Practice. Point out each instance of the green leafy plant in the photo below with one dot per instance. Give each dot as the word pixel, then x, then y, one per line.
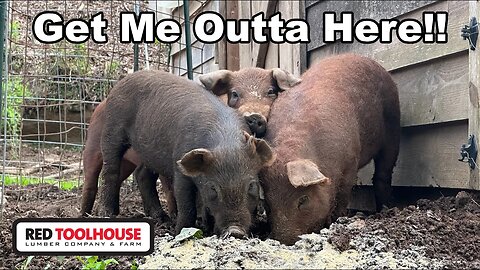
pixel 15 30
pixel 67 184
pixel 188 233
pixel 25 263
pixel 134 265
pixel 12 112
pixel 112 69
pixel 92 262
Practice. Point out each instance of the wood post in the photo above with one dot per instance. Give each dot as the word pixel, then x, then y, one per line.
pixel 474 86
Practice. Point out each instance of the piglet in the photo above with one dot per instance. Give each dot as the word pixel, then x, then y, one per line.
pixel 183 133
pixel 343 114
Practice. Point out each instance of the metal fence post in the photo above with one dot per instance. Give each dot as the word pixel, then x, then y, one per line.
pixel 136 9
pixel 3 24
pixel 186 16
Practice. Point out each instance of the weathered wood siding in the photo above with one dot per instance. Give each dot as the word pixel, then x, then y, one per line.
pixel 433 83
pixel 203 55
pixel 438 83
pixel 286 56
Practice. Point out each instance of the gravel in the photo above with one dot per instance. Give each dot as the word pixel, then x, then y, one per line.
pixel 365 250
pixel 431 234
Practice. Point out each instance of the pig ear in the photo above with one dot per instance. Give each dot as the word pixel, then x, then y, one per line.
pixel 303 173
pixel 285 80
pixel 260 148
pixel 195 162
pixel 266 154
pixel 217 81
pixel 248 138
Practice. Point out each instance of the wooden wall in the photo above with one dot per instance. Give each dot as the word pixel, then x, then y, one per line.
pixel 433 82
pixel 438 83
pixel 286 56
pixel 203 55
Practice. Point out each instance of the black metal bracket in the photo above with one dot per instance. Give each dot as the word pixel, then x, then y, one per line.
pixel 469 151
pixel 470 32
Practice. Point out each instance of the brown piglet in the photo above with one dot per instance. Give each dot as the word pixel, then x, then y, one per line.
pixel 343 114
pixel 251 91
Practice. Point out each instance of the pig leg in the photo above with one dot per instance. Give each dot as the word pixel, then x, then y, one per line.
pixel 92 166
pixel 167 188
pixel 185 194
pixel 344 193
pixel 382 178
pixel 146 180
pixel 113 149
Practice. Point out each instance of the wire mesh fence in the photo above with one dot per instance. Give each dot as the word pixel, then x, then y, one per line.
pixel 51 90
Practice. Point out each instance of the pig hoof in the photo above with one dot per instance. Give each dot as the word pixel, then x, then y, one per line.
pixel 105 214
pixel 234 231
pixel 162 217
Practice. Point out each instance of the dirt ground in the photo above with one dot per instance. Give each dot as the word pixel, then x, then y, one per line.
pixel 49 201
pixel 441 233
pixel 44 161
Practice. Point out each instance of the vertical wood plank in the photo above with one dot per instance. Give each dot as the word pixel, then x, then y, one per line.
pixel 474 85
pixel 260 50
pixel 272 57
pixel 221 47
pixel 290 53
pixel 303 47
pixel 245 50
pixel 232 50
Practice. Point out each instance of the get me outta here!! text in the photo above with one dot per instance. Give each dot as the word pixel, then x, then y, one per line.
pixel 208 27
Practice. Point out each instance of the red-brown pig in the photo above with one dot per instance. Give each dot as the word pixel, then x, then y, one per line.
pixel 251 91
pixel 93 163
pixel 343 114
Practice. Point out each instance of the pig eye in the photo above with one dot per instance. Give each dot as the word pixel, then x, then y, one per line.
pixel 272 93
pixel 303 201
pixel 212 193
pixel 233 99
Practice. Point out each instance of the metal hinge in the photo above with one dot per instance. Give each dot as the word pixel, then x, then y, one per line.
pixel 470 32
pixel 469 151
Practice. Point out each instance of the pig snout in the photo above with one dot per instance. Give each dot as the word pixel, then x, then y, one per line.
pixel 284 236
pixel 283 230
pixel 257 124
pixel 235 231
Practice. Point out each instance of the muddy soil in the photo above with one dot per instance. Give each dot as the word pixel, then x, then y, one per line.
pixel 48 201
pixel 430 234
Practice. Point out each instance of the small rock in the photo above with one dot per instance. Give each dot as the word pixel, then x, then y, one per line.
pixel 461 199
pixel 379 247
pixel 4 199
pixel 360 215
pixel 342 220
pixel 411 207
pixel 357 224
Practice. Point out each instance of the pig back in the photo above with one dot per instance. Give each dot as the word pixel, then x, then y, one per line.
pixel 169 115
pixel 339 112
